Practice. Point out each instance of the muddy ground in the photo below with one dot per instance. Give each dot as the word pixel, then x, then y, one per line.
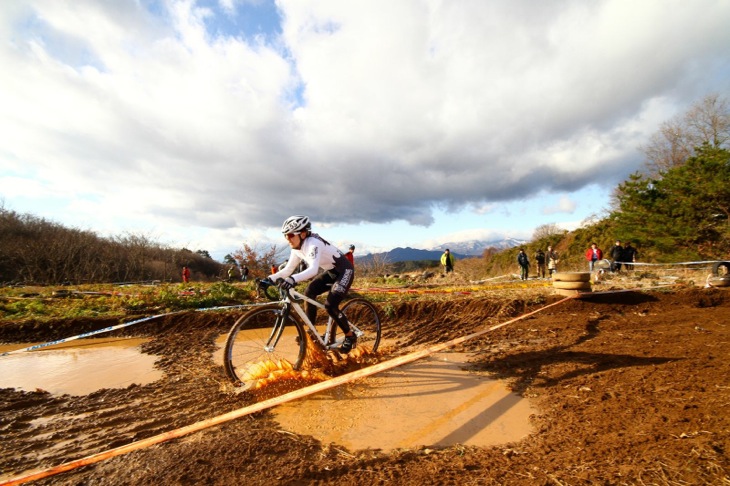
pixel 631 388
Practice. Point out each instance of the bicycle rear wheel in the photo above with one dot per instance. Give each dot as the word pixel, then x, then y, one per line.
pixel 363 318
pixel 262 336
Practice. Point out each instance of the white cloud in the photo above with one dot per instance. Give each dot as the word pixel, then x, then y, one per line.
pixel 361 111
pixel 564 205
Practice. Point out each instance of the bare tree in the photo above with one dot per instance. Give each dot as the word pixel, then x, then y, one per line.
pixel 709 122
pixel 259 258
pixel 706 122
pixel 547 231
pixel 378 266
pixel 33 249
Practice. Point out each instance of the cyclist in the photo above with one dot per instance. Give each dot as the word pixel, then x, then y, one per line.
pixel 317 253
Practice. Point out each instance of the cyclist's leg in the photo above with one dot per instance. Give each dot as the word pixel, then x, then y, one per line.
pixel 332 305
pixel 316 287
pixel 337 293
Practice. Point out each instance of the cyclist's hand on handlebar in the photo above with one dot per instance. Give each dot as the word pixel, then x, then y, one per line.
pixel 264 282
pixel 286 283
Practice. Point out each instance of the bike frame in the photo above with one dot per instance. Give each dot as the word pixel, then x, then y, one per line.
pixel 291 299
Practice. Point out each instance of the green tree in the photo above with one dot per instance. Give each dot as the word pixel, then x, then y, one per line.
pixel 229 260
pixel 685 212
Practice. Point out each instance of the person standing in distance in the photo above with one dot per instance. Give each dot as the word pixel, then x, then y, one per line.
pixel 447 260
pixel 540 260
pixel 524 264
pixel 317 253
pixel 552 260
pixel 593 254
pixel 185 274
pixel 350 255
pixel 630 254
pixel 617 254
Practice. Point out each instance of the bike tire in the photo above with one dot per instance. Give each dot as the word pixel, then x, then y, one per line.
pixel 249 339
pixel 364 316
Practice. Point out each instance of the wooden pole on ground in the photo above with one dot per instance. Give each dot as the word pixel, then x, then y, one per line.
pixel 257 407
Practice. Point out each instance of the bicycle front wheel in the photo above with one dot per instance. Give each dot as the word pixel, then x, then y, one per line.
pixel 262 336
pixel 363 318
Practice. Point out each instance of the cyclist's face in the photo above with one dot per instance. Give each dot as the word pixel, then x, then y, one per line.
pixel 294 239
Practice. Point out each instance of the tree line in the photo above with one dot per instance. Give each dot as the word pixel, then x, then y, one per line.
pixel 35 250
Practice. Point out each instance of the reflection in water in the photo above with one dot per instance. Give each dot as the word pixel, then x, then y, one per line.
pixel 78 367
pixel 431 402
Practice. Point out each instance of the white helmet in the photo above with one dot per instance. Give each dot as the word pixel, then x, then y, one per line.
pixel 295 224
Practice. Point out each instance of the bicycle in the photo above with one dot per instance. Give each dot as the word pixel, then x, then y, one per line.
pixel 273 333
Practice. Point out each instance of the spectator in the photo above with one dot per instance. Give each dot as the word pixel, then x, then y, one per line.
pixel 244 273
pixel 185 274
pixel 350 255
pixel 274 269
pixel 231 273
pixel 617 255
pixel 593 254
pixel 524 264
pixel 552 260
pixel 540 261
pixel 630 255
pixel 447 260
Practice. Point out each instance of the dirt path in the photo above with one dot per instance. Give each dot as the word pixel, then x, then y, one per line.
pixel 631 388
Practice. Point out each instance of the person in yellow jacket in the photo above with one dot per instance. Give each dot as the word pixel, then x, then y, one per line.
pixel 447 260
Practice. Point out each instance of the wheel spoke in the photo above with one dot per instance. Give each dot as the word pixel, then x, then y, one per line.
pixel 255 339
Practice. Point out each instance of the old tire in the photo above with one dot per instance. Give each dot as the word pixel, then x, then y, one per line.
pixel 721 269
pixel 719 281
pixel 572 277
pixel 572 285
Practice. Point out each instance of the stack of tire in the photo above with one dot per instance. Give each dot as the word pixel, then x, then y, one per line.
pixel 571 283
pixel 720 276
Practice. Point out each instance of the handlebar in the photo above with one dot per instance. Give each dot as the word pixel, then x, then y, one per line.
pixel 264 285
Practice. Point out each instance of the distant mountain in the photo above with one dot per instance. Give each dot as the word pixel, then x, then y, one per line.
pixel 477 247
pixel 462 249
pixel 405 255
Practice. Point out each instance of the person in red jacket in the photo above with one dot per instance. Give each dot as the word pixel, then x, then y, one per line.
pixel 593 254
pixel 185 274
pixel 350 255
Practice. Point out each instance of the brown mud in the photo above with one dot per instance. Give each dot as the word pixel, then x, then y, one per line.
pixel 630 388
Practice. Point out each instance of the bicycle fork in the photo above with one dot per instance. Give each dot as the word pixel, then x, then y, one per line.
pixel 278 330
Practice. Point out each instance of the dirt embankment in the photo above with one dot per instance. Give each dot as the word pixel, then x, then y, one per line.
pixel 631 388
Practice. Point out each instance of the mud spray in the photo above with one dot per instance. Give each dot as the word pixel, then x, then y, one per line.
pixel 271 378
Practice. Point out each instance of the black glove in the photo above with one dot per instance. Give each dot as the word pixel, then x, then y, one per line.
pixel 285 283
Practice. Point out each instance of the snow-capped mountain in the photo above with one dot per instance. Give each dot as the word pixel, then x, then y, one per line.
pixel 477 247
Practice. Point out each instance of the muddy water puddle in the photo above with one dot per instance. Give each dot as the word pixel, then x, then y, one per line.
pixel 78 367
pixel 432 402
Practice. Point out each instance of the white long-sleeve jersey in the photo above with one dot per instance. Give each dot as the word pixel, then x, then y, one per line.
pixel 316 253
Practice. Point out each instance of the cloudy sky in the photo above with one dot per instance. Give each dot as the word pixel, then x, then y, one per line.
pixel 205 124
